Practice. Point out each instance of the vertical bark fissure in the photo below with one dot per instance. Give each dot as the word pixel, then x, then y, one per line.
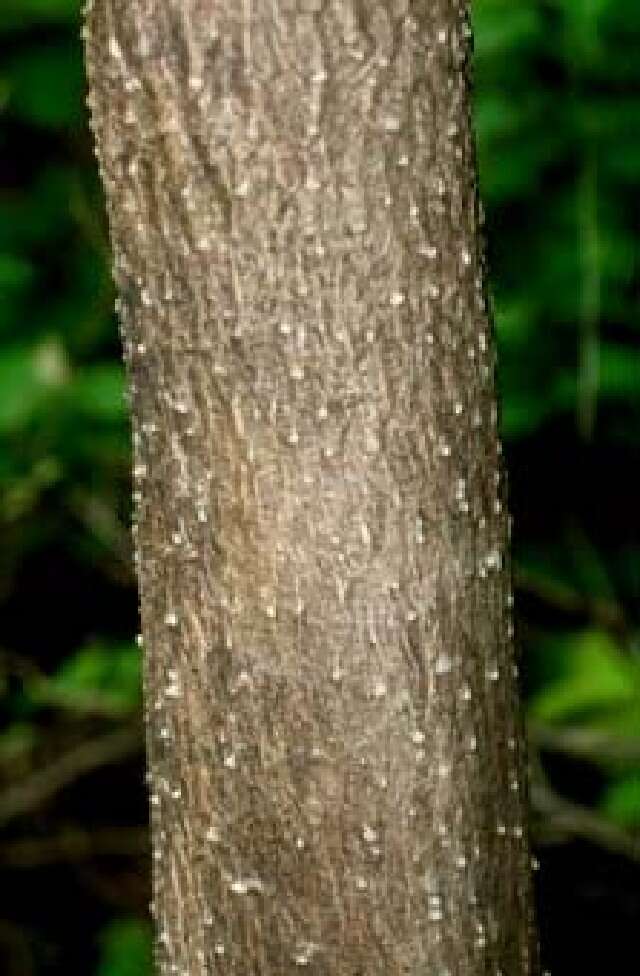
pixel 335 759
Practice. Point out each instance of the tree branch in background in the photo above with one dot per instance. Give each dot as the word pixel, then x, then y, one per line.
pixel 40 786
pixel 75 845
pixel 607 613
pixel 562 818
pixel 585 743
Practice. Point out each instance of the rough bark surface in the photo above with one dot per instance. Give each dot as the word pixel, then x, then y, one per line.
pixel 335 758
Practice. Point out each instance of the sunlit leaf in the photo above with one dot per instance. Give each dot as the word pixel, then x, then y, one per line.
pixel 594 676
pixel 28 374
pixel 96 675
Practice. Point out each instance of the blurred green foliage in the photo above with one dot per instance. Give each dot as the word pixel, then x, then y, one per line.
pixel 98 678
pixel 126 949
pixel 557 106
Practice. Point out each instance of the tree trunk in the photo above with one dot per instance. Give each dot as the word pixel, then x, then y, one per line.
pixel 335 757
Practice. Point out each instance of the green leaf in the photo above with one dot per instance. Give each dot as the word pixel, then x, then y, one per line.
pixel 618 377
pixel 23 13
pixel 622 721
pixel 496 33
pixel 28 374
pixel 97 676
pixel 619 371
pixel 621 801
pixel 16 273
pixel 46 84
pixel 125 949
pixel 98 391
pixel 593 678
pixel 521 415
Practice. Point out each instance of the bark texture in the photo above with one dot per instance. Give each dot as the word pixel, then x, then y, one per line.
pixel 335 757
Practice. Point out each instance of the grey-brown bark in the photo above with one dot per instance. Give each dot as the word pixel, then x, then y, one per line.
pixel 334 752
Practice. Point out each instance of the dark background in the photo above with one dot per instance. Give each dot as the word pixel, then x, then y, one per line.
pixel 558 121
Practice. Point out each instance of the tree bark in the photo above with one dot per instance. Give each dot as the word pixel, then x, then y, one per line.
pixel 334 749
